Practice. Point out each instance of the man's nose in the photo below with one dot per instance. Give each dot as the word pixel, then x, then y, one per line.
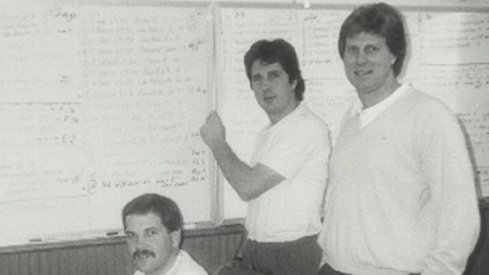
pixel 266 86
pixel 361 58
pixel 142 240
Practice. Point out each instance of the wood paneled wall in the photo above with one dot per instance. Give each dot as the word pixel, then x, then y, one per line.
pixel 96 259
pixel 210 247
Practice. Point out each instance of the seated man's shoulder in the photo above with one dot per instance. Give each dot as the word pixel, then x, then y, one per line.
pixel 187 265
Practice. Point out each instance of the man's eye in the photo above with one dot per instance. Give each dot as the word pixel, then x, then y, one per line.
pixel 256 77
pixel 372 49
pixel 351 50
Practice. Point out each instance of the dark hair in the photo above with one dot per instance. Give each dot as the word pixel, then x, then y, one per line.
pixel 164 207
pixel 277 51
pixel 379 19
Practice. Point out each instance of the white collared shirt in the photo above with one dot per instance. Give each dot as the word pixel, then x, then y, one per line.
pixel 369 114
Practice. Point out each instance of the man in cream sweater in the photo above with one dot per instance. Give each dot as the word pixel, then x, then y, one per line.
pixel 401 198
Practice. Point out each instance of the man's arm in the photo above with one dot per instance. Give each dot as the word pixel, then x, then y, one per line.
pixel 450 175
pixel 249 182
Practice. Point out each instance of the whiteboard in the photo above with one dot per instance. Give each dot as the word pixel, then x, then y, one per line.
pixel 447 58
pixel 101 101
pixel 99 104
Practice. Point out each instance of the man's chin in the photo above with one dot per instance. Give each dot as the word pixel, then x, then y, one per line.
pixel 144 264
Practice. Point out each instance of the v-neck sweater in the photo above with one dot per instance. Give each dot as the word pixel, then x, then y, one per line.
pixel 401 196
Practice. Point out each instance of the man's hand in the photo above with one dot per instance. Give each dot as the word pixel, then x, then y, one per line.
pixel 213 132
pixel 249 182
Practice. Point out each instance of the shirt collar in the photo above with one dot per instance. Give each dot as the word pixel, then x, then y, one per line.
pixel 369 114
pixel 296 112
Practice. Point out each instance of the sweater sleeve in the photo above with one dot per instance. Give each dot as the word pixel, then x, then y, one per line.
pixel 449 172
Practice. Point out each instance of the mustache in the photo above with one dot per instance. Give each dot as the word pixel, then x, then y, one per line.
pixel 143 252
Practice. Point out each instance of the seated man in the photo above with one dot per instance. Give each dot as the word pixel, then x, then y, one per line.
pixel 153 225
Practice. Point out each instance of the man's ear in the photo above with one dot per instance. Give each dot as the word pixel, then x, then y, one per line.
pixel 294 84
pixel 176 237
pixel 394 59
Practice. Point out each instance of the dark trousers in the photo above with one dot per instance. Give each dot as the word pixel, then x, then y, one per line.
pixel 328 270
pixel 300 257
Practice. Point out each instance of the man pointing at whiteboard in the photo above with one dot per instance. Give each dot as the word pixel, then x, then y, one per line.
pixel 286 178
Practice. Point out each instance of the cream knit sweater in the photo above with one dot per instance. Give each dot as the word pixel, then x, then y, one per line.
pixel 401 197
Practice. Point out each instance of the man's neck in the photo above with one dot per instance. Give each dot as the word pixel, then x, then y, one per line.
pixel 370 99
